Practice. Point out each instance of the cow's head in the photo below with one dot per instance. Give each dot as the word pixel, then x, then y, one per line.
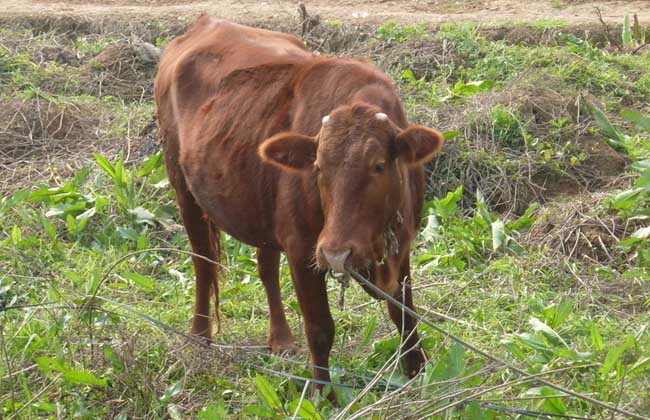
pixel 361 159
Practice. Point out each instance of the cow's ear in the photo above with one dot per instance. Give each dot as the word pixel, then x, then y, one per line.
pixel 416 145
pixel 289 151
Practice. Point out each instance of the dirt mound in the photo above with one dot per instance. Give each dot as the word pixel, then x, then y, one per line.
pixel 39 135
pixel 527 143
pixel 578 229
pixel 551 35
pixel 125 70
pixel 141 27
pixel 32 127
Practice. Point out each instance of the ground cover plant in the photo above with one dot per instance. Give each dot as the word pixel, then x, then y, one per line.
pixel 534 246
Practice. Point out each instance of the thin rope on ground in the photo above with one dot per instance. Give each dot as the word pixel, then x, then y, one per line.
pixel 483 353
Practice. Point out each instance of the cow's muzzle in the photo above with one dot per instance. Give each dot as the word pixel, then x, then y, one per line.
pixel 336 259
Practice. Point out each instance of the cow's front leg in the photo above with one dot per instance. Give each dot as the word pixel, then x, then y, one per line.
pixel 319 325
pixel 413 355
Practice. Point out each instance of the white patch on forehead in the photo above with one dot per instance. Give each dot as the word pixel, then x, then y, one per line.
pixel 326 118
pixel 381 116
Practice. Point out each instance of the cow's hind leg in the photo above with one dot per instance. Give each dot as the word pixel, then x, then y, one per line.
pixel 268 265
pixel 413 358
pixel 203 236
pixel 204 239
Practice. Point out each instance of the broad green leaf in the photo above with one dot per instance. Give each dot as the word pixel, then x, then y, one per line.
pixel 369 331
pixel 553 405
pixel 524 221
pixel 214 411
pixel 514 348
pixel 472 88
pixel 549 332
pixel 171 391
pixel 307 409
pixel 625 199
pixel 499 237
pixel 142 215
pixel 268 394
pixel 555 315
pixel 87 214
pixel 613 356
pixel 475 412
pixel 596 338
pixel 49 228
pixel 626 34
pixel 450 366
pixel 643 121
pixel 16 235
pixel 48 364
pixel 150 164
pixel 259 411
pixel 83 377
pixel 113 358
pixel 448 205
pixel 606 127
pixel 408 75
pixel 644 180
pixel 641 165
pixel 139 280
pixel 452 134
pixel 642 365
pixel 105 165
pixel 535 344
pixel 71 224
pixel 70 375
pixel 482 208
pixel 430 232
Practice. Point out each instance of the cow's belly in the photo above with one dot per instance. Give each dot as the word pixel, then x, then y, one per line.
pixel 243 225
pixel 235 201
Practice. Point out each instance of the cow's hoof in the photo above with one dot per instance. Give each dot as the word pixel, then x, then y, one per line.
pixel 414 362
pixel 282 345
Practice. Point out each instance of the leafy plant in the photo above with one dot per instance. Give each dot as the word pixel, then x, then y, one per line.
pixel 394 32
pixel 453 240
pixel 632 35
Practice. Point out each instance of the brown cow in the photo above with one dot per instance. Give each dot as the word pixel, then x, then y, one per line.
pixel 291 152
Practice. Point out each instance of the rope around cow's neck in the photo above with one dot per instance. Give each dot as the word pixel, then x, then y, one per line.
pixel 391 248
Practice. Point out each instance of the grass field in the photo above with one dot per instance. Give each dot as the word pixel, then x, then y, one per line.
pixel 534 247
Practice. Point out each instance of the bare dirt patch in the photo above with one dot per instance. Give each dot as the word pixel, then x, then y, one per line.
pixel 404 11
pixel 125 70
pixel 42 140
pixel 575 229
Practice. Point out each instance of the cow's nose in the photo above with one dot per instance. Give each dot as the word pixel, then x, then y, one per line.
pixel 336 259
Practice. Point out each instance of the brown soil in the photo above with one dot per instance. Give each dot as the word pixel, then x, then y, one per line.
pixel 576 230
pixel 405 11
pixel 119 70
pixel 42 140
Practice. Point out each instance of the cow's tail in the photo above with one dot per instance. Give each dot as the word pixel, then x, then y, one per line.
pixel 215 278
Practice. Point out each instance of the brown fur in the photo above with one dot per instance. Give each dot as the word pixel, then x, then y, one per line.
pixel 228 95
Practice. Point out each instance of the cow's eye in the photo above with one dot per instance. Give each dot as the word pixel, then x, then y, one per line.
pixel 379 167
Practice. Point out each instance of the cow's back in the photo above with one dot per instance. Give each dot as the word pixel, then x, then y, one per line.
pixel 194 64
pixel 221 89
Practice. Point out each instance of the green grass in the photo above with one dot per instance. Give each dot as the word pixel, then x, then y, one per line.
pixel 86 240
